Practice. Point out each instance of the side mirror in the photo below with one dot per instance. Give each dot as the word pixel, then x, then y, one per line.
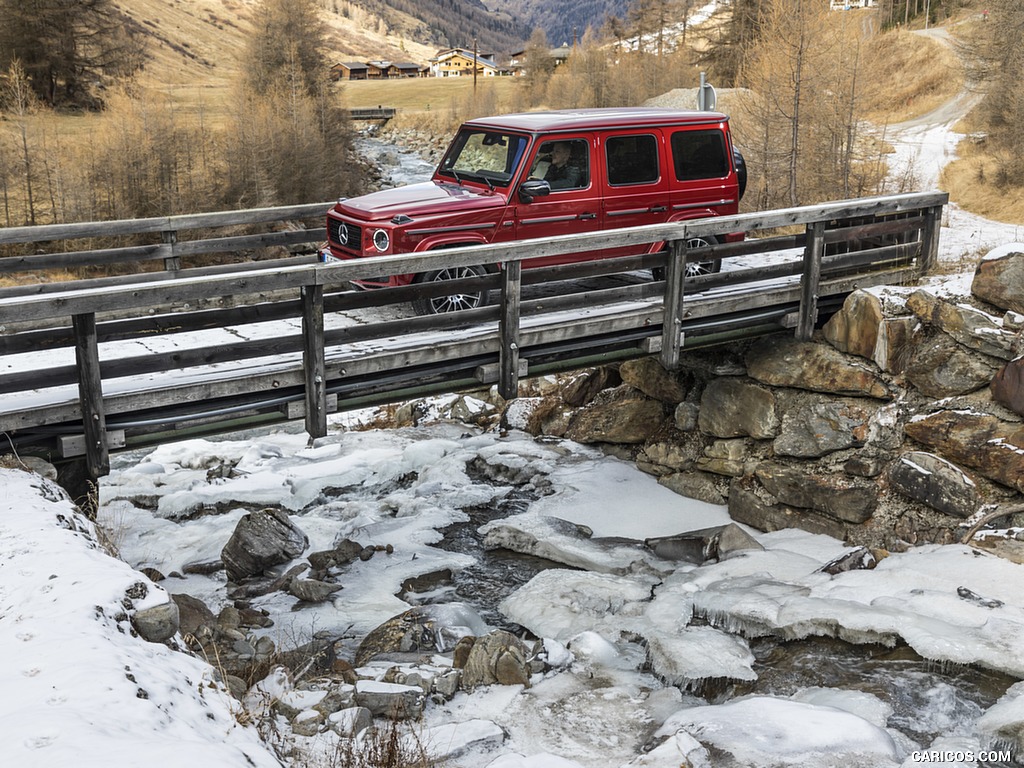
pixel 533 188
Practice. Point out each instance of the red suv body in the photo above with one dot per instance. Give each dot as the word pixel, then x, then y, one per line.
pixel 541 174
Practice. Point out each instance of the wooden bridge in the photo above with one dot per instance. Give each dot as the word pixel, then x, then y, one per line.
pixel 372 113
pixel 97 364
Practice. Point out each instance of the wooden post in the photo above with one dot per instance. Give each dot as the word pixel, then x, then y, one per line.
pixel 672 315
pixel 90 396
pixel 930 239
pixel 508 330
pixel 172 263
pixel 313 364
pixel 809 280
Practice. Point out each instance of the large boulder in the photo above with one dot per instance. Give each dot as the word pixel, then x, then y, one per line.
pixel 785 362
pixel 699 547
pixel 622 415
pixel 734 407
pixel 260 541
pixel 497 658
pixel 747 506
pixel 851 499
pixel 157 623
pixel 970 327
pixel 854 328
pixel 897 338
pixel 993 447
pixel 1008 386
pixel 940 367
pixel 999 278
pixel 935 482
pixel 647 375
pixel 813 426
pixel 583 388
pixel 423 629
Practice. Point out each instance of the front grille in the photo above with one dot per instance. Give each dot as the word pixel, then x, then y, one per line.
pixel 345 235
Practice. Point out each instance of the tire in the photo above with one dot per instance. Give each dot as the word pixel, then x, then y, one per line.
pixel 693 269
pixel 696 268
pixel 455 302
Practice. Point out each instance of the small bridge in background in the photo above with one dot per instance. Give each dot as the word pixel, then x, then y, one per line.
pixel 372 113
pixel 101 363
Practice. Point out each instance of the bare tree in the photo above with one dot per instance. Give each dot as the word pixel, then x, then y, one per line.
pixel 19 102
pixel 998 61
pixel 804 76
pixel 538 66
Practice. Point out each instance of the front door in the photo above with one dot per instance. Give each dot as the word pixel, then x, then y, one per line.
pixel 574 205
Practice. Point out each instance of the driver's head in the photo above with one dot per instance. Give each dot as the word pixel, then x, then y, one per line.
pixel 560 153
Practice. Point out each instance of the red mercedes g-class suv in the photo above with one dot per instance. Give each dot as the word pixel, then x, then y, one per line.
pixel 540 174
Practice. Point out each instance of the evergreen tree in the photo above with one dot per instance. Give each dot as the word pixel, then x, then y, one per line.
pixel 68 47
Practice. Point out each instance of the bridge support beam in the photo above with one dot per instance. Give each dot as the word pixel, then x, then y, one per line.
pixel 672 317
pixel 930 239
pixel 810 279
pixel 313 362
pixel 508 373
pixel 90 396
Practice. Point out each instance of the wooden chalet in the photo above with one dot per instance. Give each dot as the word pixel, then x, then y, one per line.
pixel 458 62
pixel 349 70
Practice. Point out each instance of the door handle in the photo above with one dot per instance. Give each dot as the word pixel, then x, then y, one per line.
pixel 587 216
pixel 658 208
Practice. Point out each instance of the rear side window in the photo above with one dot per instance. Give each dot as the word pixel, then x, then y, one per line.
pixel 632 159
pixel 699 155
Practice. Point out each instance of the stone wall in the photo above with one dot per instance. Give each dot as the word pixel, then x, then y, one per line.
pixel 897 423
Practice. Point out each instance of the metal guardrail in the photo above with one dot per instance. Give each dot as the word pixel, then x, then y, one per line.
pixel 822 254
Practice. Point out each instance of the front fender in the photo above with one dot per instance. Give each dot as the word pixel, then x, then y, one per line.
pixel 434 242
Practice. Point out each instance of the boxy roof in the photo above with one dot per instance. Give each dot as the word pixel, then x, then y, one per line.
pixel 592 119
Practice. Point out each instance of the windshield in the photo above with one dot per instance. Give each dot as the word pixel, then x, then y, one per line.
pixel 488 156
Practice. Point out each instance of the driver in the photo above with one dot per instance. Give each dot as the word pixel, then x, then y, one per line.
pixel 561 174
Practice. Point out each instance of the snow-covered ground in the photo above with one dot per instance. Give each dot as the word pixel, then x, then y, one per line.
pixel 80 689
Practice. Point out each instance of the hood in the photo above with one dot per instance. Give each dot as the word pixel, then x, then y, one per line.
pixel 416 200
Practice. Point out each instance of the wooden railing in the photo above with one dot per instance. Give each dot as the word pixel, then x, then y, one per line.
pixel 173 251
pixel 805 259
pixel 372 113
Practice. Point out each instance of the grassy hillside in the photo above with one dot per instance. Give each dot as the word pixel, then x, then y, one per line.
pixel 195 47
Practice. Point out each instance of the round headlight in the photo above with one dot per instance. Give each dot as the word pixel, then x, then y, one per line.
pixel 381 240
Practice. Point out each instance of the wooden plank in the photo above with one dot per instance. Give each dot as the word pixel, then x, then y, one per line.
pixel 172 262
pixel 90 397
pixel 508 330
pixel 930 240
pixel 809 280
pixel 313 360
pixel 672 319
pixel 361 362
pixel 88 229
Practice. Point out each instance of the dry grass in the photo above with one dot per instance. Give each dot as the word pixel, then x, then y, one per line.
pixel 975 182
pixel 427 94
pixel 910 76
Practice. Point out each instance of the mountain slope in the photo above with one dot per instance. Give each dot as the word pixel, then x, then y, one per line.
pixel 560 21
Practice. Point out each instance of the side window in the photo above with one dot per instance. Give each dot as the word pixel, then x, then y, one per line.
pixel 632 159
pixel 699 155
pixel 564 164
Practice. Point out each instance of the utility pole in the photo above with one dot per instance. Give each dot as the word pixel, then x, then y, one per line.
pixel 476 64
